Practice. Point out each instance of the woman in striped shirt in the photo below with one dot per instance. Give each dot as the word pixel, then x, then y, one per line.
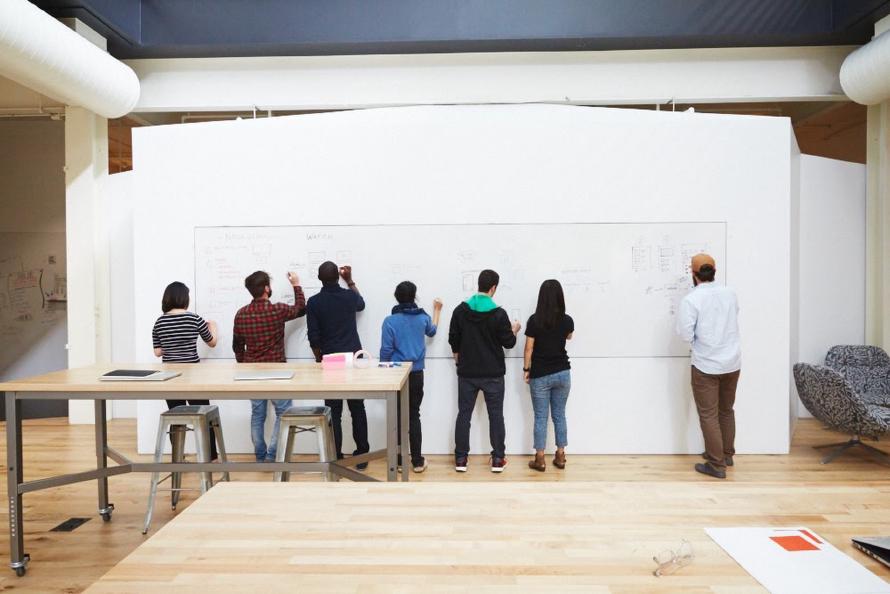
pixel 175 337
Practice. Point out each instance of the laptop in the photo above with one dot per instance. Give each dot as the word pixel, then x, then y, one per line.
pixel 876 547
pixel 263 374
pixel 138 375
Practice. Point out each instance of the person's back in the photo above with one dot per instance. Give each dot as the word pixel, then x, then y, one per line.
pixel 259 330
pixel 404 333
pixel 480 331
pixel 332 314
pixel 176 334
pixel 715 340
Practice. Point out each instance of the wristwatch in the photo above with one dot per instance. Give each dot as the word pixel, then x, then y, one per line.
pixel 526 369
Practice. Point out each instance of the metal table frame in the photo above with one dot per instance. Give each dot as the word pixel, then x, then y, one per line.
pixel 17 487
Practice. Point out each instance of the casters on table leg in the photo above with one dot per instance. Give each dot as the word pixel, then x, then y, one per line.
pixel 105 512
pixel 21 568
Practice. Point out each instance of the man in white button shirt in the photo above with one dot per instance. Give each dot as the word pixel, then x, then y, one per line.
pixel 708 319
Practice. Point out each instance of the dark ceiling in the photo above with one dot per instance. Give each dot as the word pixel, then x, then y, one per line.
pixel 210 28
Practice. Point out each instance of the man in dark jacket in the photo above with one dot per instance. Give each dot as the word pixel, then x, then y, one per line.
pixel 331 328
pixel 479 333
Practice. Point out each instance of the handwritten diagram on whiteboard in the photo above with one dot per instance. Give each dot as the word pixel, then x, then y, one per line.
pixel 623 281
pixel 33 290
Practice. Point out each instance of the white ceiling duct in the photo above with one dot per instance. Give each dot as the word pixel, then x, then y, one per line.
pixel 43 54
pixel 865 74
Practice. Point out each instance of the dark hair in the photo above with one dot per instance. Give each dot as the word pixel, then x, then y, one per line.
pixel 487 280
pixel 176 296
pixel 551 305
pixel 256 283
pixel 328 272
pixel 706 273
pixel 406 292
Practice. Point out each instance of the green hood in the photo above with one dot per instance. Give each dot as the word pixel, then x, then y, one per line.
pixel 481 302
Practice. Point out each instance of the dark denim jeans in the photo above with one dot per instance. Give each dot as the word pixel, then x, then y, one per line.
pixel 359 424
pixel 415 436
pixel 468 389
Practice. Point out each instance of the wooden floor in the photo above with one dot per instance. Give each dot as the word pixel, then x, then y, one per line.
pixel 660 494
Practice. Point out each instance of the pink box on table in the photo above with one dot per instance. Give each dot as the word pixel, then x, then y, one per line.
pixel 334 361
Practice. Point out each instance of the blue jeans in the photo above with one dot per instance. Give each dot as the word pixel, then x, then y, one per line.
pixel 258 410
pixel 551 391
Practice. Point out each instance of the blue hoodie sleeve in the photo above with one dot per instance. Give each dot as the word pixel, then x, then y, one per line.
pixel 431 328
pixel 387 341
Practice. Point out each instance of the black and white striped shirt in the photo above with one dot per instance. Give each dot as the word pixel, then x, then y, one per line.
pixel 177 335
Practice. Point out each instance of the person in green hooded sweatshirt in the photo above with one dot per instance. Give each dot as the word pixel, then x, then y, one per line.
pixel 478 335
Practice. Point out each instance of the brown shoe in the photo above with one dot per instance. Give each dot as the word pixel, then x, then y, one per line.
pixel 559 459
pixel 538 463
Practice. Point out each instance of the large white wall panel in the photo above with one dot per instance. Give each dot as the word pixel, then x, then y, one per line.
pixel 487 165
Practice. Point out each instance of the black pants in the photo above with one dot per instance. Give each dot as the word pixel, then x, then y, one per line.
pixel 467 390
pixel 359 424
pixel 175 403
pixel 415 435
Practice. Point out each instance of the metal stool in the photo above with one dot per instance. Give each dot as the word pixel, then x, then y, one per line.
pixel 176 422
pixel 299 419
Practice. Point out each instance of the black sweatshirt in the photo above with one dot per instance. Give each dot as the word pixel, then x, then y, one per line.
pixel 480 338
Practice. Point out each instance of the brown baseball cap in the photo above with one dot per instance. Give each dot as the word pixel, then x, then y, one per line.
pixel 700 260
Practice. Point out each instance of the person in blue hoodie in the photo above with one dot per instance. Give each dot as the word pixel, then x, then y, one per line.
pixel 403 339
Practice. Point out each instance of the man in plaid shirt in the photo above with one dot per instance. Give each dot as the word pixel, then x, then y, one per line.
pixel 258 336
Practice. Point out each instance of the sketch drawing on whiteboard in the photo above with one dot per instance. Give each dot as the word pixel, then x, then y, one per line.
pixel 620 279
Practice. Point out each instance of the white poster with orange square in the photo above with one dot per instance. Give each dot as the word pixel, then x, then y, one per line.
pixel 796 561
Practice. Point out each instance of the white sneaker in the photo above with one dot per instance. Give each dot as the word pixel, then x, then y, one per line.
pixel 460 464
pixel 419 469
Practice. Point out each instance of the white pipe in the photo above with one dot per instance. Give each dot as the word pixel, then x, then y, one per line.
pixel 41 53
pixel 865 74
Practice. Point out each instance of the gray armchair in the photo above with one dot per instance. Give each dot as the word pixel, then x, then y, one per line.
pixel 832 400
pixel 867 368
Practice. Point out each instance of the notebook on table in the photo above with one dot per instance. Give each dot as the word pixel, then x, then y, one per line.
pixel 876 547
pixel 138 375
pixel 263 374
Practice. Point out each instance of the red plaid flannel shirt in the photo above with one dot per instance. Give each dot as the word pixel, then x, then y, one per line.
pixel 258 335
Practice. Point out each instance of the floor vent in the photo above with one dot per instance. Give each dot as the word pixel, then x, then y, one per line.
pixel 70 524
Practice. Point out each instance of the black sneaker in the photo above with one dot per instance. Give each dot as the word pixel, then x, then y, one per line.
pixel 709 470
pixel 727 460
pixel 460 463
pixel 363 465
pixel 498 464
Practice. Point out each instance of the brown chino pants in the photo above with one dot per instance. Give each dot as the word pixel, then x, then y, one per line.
pixel 714 398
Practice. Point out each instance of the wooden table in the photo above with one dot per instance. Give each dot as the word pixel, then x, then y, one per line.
pixel 207 381
pixel 474 537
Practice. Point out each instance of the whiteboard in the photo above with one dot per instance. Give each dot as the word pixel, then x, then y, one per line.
pixel 623 281
pixel 33 291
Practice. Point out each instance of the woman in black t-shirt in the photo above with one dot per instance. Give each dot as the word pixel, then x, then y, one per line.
pixel 547 369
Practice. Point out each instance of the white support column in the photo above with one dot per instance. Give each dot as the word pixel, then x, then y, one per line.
pixel 877 220
pixel 86 168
